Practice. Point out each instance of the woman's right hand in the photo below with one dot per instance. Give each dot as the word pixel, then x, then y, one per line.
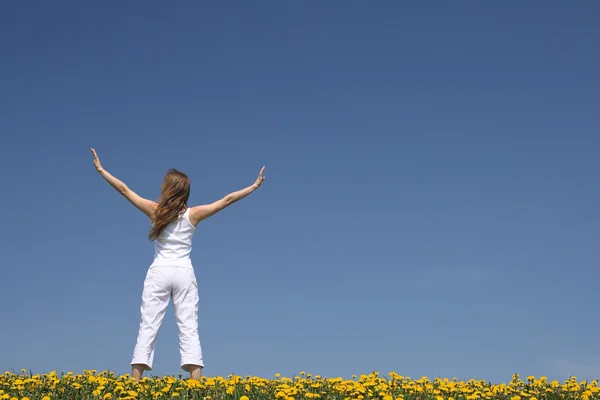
pixel 199 213
pixel 260 178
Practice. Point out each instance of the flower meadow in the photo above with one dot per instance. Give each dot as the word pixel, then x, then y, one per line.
pixel 106 385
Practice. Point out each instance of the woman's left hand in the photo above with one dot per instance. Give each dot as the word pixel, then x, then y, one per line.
pixel 97 161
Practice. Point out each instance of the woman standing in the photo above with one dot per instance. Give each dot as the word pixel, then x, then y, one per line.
pixel 171 274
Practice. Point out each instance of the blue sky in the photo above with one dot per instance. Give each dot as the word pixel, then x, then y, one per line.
pixel 431 202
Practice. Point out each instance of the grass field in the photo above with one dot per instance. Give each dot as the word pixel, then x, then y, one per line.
pixel 107 385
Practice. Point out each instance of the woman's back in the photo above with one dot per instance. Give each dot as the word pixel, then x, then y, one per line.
pixel 173 246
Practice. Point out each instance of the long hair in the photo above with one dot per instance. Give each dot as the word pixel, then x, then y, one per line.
pixel 174 195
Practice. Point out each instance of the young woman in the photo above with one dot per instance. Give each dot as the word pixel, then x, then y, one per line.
pixel 171 275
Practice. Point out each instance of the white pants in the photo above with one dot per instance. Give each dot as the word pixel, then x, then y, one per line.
pixel 161 284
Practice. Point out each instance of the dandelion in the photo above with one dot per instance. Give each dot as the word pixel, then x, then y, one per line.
pixel 371 386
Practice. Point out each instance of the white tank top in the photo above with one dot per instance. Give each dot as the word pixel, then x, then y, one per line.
pixel 173 247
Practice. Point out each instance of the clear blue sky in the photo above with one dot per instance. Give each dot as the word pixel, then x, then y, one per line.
pixel 432 193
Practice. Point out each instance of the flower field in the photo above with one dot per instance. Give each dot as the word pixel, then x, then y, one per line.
pixel 107 385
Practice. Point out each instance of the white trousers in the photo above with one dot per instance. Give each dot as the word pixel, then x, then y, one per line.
pixel 162 284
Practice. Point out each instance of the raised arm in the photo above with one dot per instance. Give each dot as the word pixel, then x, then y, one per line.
pixel 144 205
pixel 199 213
